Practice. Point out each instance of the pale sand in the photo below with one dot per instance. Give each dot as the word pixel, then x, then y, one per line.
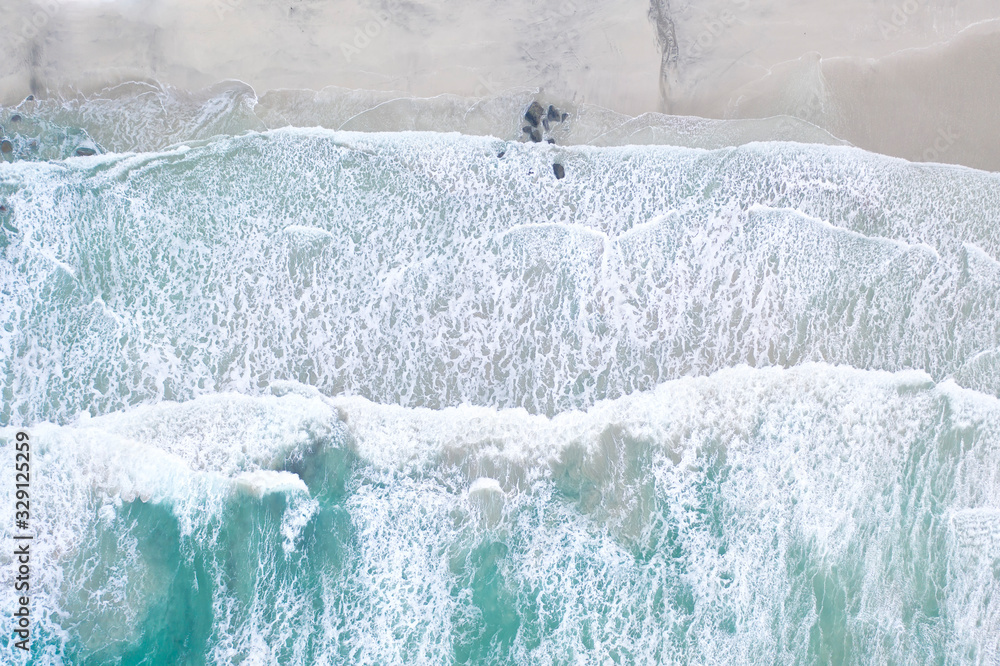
pixel 580 50
pixel 919 79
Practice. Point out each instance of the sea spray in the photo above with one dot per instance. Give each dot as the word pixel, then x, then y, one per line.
pixel 809 514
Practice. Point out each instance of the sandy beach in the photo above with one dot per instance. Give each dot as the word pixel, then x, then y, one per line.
pixel 854 69
pixel 391 332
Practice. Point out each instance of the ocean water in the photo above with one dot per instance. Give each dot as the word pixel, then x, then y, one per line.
pixel 313 395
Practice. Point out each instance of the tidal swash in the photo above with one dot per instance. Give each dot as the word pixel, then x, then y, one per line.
pixel 304 396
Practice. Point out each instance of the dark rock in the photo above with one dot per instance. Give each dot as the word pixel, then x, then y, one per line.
pixel 565 117
pixel 545 124
pixel 501 153
pixel 29 98
pixel 536 136
pixel 526 129
pixel 85 152
pixel 551 140
pixel 552 114
pixel 3 209
pixel 16 118
pixel 6 147
pixel 534 113
pixel 559 171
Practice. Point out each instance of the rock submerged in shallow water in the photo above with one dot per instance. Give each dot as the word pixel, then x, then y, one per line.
pixel 85 152
pixel 16 118
pixel 559 171
pixel 6 147
pixel 542 121
pixel 534 113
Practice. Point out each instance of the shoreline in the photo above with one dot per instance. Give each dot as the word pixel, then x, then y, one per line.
pixel 853 71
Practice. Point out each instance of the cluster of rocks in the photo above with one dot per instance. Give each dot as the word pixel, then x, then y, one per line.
pixel 17 142
pixel 541 121
pixel 6 145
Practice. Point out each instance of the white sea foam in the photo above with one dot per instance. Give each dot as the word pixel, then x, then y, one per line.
pixel 263 482
pixel 716 504
pixel 325 396
pixel 421 269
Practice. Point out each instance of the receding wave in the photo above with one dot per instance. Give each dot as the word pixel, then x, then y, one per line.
pixel 147 116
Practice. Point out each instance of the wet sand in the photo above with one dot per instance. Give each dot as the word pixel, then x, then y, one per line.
pixel 919 79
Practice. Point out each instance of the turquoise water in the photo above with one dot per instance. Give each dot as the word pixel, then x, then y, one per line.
pixel 305 396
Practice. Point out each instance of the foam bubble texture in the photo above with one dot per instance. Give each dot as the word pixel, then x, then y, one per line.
pixel 815 515
pixel 424 270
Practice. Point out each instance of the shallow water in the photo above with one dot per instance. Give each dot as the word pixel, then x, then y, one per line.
pixel 811 515
pixel 315 395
